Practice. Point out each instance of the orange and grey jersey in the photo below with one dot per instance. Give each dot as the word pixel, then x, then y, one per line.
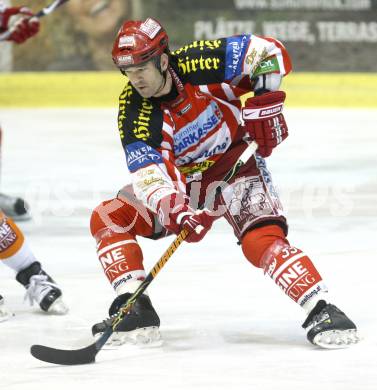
pixel 186 134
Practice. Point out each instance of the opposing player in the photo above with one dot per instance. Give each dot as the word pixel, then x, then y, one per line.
pixel 16 254
pixel 14 250
pixel 181 130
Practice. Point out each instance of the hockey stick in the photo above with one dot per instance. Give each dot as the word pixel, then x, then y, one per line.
pixel 87 355
pixel 43 12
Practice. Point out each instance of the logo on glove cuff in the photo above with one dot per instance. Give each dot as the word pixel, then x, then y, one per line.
pixel 261 113
pixel 271 111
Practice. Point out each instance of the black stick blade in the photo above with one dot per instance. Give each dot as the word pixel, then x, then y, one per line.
pixel 65 357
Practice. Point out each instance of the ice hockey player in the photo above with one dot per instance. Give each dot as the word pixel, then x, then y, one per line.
pixel 16 254
pixel 14 250
pixel 181 129
pixel 24 28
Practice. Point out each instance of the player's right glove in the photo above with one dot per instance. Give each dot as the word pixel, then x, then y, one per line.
pixel 264 120
pixel 24 28
pixel 176 214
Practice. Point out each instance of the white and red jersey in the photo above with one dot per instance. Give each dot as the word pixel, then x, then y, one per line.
pixel 194 132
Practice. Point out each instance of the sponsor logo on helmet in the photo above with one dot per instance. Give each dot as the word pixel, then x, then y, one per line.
pixel 126 41
pixel 150 28
pixel 125 60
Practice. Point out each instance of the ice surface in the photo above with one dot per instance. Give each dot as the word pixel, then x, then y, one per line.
pixel 225 325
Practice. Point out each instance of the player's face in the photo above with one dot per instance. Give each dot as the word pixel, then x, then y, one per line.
pixel 146 79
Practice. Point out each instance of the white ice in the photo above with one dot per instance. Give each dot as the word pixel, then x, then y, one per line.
pixel 224 324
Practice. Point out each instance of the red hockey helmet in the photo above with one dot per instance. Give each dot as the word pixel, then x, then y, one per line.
pixel 138 42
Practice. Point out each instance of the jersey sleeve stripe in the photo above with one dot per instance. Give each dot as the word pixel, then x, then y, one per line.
pixel 228 91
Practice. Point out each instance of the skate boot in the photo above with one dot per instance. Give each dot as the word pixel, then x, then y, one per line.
pixel 4 312
pixel 15 208
pixel 41 288
pixel 330 328
pixel 139 326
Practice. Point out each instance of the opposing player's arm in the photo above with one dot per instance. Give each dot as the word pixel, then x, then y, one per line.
pixel 24 28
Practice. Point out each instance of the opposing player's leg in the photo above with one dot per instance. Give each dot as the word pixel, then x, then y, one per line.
pixel 256 215
pixel 4 312
pixel 16 254
pixel 12 206
pixel 115 224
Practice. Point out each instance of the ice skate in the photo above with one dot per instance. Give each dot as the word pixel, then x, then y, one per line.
pixel 4 312
pixel 41 288
pixel 330 328
pixel 14 207
pixel 139 326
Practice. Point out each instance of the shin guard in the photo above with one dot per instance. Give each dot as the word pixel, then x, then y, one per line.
pixel 293 271
pixel 121 258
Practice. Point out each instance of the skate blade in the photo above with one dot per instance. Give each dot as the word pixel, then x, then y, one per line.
pixel 149 336
pixel 336 339
pixel 22 218
pixel 4 316
pixel 58 308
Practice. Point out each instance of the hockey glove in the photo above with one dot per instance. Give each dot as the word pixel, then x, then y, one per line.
pixel 176 215
pixel 264 121
pixel 24 28
pixel 197 224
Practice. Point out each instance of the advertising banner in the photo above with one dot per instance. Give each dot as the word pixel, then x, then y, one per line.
pixel 320 35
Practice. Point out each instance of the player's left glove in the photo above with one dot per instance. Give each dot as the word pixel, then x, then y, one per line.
pixel 264 121
pixel 197 223
pixel 24 28
pixel 176 214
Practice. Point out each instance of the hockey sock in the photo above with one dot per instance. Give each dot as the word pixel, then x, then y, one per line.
pixel 14 250
pixel 266 247
pixel 121 258
pixel 294 272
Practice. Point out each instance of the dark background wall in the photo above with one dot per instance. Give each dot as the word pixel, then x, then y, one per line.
pixel 321 35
